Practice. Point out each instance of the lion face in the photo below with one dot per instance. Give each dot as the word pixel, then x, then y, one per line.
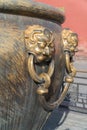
pixel 70 40
pixel 40 42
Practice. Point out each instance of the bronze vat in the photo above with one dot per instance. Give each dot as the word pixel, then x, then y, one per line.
pixel 34 54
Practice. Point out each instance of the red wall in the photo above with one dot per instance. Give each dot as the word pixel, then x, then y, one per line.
pixel 76 18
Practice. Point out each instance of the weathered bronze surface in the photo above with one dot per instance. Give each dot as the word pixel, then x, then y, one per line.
pixel 31 72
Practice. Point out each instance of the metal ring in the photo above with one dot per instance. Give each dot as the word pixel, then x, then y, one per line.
pixel 50 106
pixel 31 68
pixel 43 88
pixel 67 58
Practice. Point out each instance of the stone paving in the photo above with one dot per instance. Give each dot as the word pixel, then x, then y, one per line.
pixel 63 119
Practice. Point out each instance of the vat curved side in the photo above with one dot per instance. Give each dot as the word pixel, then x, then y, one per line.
pixel 20 108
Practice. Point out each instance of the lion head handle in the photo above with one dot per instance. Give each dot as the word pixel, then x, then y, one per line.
pixel 39 42
pixel 70 41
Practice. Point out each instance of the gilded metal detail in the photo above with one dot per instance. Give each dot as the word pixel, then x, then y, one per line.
pixel 40 47
pixel 70 42
pixel 43 79
pixel 39 42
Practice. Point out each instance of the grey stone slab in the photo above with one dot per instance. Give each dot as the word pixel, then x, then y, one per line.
pixel 64 119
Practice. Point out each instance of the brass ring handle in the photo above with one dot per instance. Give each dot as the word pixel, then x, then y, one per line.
pixel 67 59
pixel 50 106
pixel 40 79
pixel 31 70
pixel 43 79
pixel 34 75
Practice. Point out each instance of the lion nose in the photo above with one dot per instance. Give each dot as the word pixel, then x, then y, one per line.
pixel 47 51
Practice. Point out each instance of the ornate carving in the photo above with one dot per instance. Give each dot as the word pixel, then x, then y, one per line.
pixel 40 47
pixel 39 42
pixel 70 41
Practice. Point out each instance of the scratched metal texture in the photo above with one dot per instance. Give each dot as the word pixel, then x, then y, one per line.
pixel 19 105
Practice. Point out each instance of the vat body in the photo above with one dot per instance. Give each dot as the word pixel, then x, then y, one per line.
pixel 20 108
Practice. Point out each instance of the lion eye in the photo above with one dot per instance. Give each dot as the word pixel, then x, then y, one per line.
pixel 42 45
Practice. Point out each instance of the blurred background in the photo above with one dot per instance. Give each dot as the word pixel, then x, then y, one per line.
pixel 76 19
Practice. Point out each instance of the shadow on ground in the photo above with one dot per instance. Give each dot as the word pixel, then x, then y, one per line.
pixel 56 119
